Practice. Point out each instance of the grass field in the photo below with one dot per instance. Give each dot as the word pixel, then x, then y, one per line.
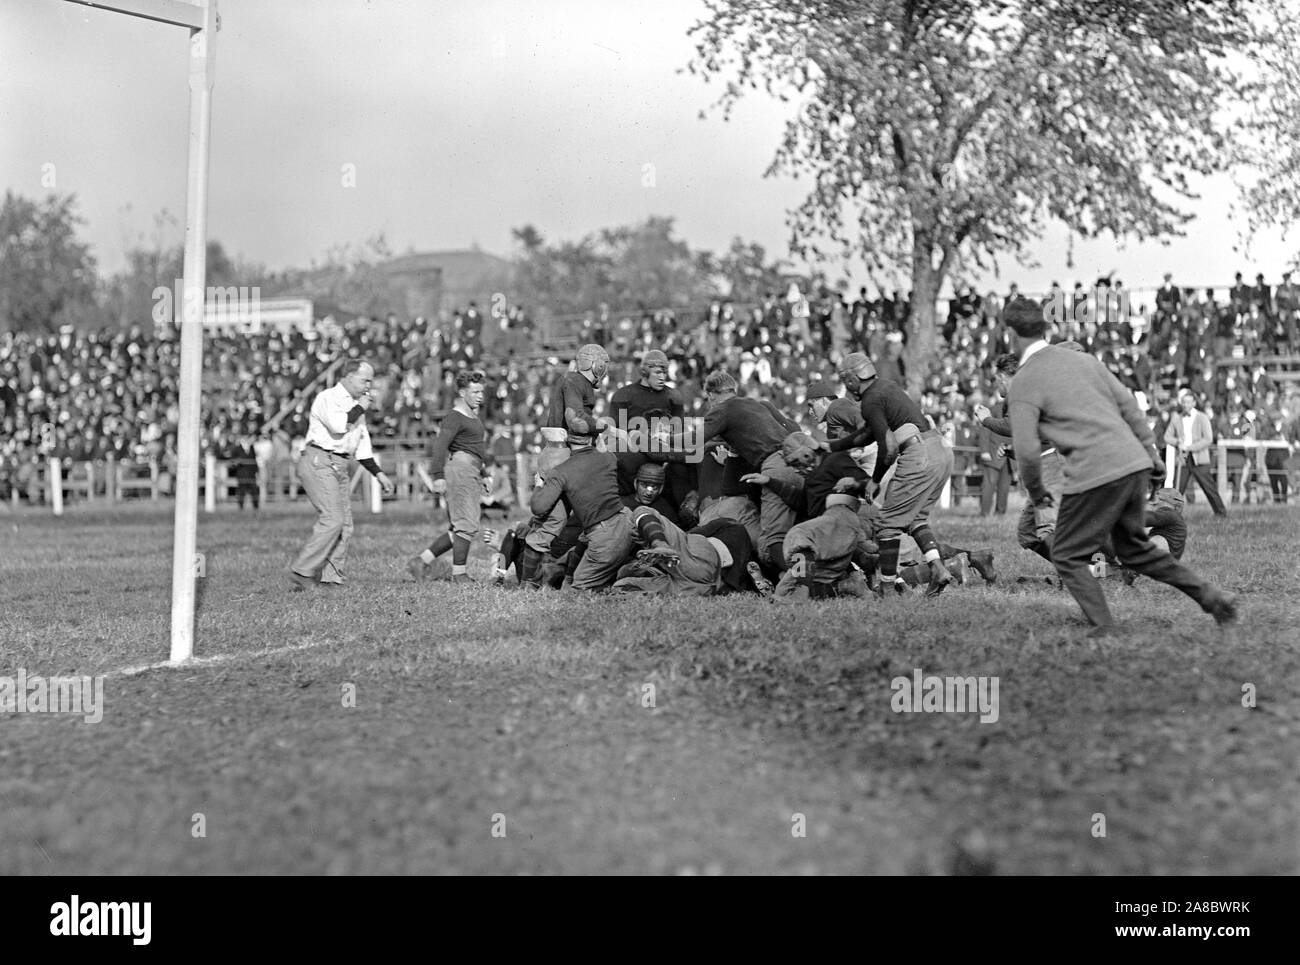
pixel 501 732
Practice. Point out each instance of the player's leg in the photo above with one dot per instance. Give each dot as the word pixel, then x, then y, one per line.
pixel 1137 551
pixel 939 463
pixel 609 544
pixel 1207 484
pixel 775 515
pixel 465 508
pixel 902 502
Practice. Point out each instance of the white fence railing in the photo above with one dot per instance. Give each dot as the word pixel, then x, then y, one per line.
pixel 109 481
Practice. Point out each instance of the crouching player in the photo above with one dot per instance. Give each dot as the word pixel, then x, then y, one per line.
pixel 821 554
pixel 587 485
pixel 1165 526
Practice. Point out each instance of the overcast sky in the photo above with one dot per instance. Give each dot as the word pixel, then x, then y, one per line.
pixel 463 118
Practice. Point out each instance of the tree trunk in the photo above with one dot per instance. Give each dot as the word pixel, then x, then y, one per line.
pixel 922 337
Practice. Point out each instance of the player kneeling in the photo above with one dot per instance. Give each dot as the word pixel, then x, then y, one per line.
pixel 821 554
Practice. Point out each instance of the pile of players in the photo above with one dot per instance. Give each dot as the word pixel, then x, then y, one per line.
pixel 636 501
pixel 641 500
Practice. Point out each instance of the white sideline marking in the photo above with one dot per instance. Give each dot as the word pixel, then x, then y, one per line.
pixel 209 661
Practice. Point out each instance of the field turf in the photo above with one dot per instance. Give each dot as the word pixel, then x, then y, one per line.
pixel 495 731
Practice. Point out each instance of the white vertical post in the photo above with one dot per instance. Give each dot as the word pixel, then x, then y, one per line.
pixel 210 483
pixel 54 475
pixel 945 497
pixel 190 315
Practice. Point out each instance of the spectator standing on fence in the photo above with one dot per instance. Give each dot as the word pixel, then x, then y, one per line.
pixel 336 433
pixel 1192 435
pixel 1070 401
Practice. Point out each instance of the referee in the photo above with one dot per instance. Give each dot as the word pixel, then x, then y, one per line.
pixel 336 433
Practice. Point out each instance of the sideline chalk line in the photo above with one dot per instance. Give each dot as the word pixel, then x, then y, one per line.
pixel 195 662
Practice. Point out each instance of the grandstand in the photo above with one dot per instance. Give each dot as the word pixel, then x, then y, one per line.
pixel 104 403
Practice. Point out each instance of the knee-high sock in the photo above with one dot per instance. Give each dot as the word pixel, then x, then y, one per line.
pixel 925 539
pixel 460 551
pixel 574 558
pixel 441 544
pixel 530 567
pixel 889 558
pixel 651 529
pixel 510 547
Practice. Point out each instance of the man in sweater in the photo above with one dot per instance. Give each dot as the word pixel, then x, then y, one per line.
pixel 1053 479
pixel 456 466
pixel 1191 434
pixel 1070 401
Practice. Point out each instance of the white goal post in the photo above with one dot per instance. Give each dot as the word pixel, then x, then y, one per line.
pixel 200 18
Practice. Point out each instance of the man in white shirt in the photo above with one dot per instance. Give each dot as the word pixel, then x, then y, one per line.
pixel 336 433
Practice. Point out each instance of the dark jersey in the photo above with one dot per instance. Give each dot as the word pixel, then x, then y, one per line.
pixel 660 506
pixel 587 483
pixel 884 406
pixel 635 400
pixel 752 429
pixel 820 483
pixel 572 391
pixel 720 480
pixel 458 433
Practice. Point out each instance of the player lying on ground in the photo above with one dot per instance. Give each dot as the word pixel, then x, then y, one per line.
pixel 713 560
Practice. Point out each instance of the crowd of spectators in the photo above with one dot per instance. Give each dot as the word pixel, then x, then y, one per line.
pixel 89 396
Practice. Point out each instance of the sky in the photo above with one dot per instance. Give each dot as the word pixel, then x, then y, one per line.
pixel 460 119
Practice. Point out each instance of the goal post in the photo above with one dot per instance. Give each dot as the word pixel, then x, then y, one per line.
pixel 200 18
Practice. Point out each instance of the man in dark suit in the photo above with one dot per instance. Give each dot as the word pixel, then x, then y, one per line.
pixel 1168 299
pixel 1239 297
pixel 1262 295
pixel 996 484
pixel 243 462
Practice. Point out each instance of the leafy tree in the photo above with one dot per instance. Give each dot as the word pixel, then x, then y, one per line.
pixel 47 275
pixel 351 277
pixel 941 134
pixel 1267 138
pixel 747 274
pixel 637 267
